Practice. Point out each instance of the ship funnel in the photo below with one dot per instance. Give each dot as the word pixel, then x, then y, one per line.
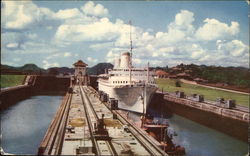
pixel 117 63
pixel 125 60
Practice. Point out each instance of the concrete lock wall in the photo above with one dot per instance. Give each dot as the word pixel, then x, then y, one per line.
pixel 41 84
pixel 231 122
pixel 51 83
pixel 12 95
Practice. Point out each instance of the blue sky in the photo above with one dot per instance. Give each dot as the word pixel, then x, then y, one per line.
pixel 58 33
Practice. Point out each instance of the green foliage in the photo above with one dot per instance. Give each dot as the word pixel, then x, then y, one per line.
pixel 27 68
pixel 209 94
pixel 99 68
pixel 238 76
pixel 177 83
pixel 11 80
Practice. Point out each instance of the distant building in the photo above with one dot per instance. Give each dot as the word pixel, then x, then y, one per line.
pixel 161 74
pixel 81 73
pixel 80 68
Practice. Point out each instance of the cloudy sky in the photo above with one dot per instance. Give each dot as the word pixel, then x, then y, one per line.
pixel 58 33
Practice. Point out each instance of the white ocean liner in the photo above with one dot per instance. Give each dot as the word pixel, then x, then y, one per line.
pixel 132 87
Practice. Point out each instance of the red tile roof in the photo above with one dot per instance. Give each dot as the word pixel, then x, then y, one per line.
pixel 80 63
pixel 161 72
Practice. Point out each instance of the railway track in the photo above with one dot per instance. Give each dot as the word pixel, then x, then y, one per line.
pixel 92 118
pixel 52 143
pixel 62 138
pixel 143 138
pixel 139 134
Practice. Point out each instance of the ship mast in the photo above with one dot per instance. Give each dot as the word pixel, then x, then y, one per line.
pixel 131 47
pixel 130 60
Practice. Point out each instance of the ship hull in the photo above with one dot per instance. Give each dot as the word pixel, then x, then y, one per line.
pixel 129 98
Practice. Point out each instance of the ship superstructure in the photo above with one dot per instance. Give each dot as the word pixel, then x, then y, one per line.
pixel 132 87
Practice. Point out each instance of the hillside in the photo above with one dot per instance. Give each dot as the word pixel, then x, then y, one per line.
pixel 99 68
pixel 6 67
pixel 27 68
pixel 32 68
pixel 236 76
pixel 95 70
pixel 61 70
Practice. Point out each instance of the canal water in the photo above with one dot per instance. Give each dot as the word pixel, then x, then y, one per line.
pixel 24 124
pixel 198 140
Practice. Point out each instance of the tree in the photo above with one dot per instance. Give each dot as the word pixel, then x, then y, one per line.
pixel 178 83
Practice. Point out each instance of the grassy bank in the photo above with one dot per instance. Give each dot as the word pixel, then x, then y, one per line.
pixel 209 94
pixel 11 80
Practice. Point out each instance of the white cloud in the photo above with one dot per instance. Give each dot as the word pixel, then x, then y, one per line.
pixel 34 47
pixel 235 48
pixel 177 45
pixel 12 45
pixel 101 46
pixel 196 51
pixel 47 65
pixel 181 42
pixel 214 29
pixel 164 52
pixel 17 18
pixel 67 54
pixel 197 54
pixel 111 55
pixel 206 58
pixel 102 30
pixel 97 10
pixel 137 61
pixel 181 29
pixel 92 60
pixel 184 18
pixel 21 14
pixel 67 13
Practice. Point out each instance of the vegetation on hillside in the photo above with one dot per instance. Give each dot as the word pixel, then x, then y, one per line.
pixel 11 80
pixel 32 68
pixel 169 85
pixel 237 76
pixel 99 68
pixel 27 68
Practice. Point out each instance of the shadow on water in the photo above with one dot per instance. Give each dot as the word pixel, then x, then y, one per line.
pixel 156 109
